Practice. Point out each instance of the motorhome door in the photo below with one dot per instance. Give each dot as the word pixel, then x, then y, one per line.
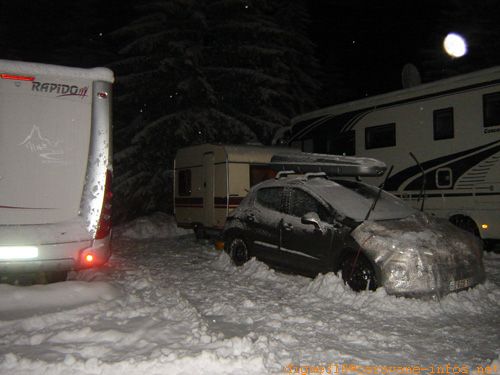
pixel 208 189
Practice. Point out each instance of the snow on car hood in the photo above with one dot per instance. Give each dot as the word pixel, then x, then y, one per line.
pixel 421 255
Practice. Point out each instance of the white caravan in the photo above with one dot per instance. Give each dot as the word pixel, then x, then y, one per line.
pixel 211 180
pixel 55 168
pixel 451 127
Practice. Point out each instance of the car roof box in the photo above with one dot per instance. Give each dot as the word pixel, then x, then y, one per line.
pixel 332 165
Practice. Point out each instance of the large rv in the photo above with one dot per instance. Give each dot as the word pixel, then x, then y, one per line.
pixel 210 180
pixel 55 168
pixel 442 138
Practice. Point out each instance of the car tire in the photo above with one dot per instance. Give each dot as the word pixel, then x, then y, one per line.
pixel 238 251
pixel 358 272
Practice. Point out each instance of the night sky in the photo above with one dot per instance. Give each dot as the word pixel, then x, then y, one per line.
pixel 371 41
pixel 362 45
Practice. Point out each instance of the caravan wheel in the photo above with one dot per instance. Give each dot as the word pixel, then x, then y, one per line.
pixel 199 232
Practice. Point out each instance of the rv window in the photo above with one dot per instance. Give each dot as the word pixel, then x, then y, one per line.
pixel 444 178
pixel 270 198
pixel 491 109
pixel 443 124
pixel 184 186
pixel 343 144
pixel 380 136
pixel 259 173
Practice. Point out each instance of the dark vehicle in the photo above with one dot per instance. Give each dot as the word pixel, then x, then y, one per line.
pixel 311 224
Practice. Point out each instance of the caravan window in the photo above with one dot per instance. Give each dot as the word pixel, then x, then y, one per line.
pixel 259 173
pixel 443 124
pixel 491 109
pixel 184 186
pixel 380 136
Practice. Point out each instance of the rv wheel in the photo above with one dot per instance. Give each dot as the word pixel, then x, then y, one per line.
pixel 465 223
pixel 238 251
pixel 358 272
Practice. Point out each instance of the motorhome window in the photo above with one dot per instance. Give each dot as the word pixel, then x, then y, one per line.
pixel 270 198
pixel 491 109
pixel 380 136
pixel 443 123
pixel 343 144
pixel 259 173
pixel 184 186
pixel 444 178
pixel 308 145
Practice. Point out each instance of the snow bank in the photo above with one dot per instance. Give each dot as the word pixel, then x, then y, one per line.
pixel 178 306
pixel 156 226
pixel 30 300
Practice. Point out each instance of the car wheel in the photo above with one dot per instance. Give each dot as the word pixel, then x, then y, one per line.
pixel 358 272
pixel 238 251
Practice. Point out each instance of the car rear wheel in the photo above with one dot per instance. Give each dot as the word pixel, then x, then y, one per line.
pixel 238 251
pixel 358 272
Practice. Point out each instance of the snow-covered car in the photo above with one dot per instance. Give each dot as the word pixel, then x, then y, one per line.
pixel 311 224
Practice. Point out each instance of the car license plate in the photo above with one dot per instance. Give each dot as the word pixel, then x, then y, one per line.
pixel 460 284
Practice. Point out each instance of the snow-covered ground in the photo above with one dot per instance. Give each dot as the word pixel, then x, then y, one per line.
pixel 167 304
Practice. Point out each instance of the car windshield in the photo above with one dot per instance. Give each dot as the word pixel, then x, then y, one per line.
pixel 354 199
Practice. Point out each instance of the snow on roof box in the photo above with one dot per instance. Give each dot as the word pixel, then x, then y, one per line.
pixel 21 67
pixel 332 165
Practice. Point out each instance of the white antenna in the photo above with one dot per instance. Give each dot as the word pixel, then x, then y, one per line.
pixel 410 76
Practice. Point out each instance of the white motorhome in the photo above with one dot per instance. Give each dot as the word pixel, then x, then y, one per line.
pixel 210 180
pixel 451 127
pixel 55 167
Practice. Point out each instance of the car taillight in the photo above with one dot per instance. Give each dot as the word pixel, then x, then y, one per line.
pixel 104 226
pixel 16 77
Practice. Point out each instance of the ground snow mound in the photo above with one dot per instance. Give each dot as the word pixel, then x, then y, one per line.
pixel 156 226
pixel 25 301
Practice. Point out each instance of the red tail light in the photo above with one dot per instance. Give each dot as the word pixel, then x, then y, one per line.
pixel 104 226
pixel 16 78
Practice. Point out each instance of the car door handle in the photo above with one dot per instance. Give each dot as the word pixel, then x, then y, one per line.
pixel 287 227
pixel 250 218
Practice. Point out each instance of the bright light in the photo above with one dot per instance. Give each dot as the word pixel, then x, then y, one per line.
pixel 18 252
pixel 484 226
pixel 16 77
pixel 89 258
pixel 455 45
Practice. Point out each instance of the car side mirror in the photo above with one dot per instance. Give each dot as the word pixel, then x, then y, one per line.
pixel 312 218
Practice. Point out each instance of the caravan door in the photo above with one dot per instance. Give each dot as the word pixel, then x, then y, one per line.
pixel 208 189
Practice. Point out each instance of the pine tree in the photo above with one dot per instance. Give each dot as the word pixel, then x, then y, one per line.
pixel 225 71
